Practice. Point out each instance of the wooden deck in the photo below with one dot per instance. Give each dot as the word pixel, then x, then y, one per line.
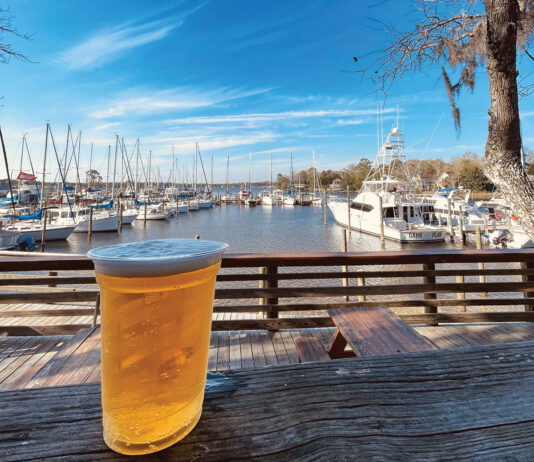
pixel 32 362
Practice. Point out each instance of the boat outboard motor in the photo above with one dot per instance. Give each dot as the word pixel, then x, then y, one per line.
pixel 501 238
pixel 26 243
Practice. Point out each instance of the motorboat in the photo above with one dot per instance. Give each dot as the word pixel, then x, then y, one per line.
pixel 388 205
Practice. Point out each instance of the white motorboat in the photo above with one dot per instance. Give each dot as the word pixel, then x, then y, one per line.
pixel 227 198
pixel 34 229
pixel 401 217
pixel 157 212
pixel 102 220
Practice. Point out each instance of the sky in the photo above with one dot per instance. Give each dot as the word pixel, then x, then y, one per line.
pixel 235 76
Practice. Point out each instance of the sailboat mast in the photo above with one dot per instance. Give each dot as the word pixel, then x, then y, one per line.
pixel 7 170
pixel 44 168
pixel 147 195
pixel 250 172
pixel 90 182
pixel 227 170
pixel 136 166
pixel 107 171
pixel 271 172
pixel 114 167
pixel 211 173
pixel 21 157
pixel 291 167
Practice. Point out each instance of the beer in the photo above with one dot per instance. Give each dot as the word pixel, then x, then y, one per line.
pixel 155 327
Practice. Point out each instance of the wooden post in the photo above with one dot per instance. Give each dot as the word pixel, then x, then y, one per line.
pixel 430 295
pixel 528 278
pixel 509 222
pixel 486 225
pixel 344 281
pixel 348 208
pixel 144 219
pixel 43 231
pixel 97 310
pixel 188 205
pixel 262 284
pixel 460 295
pixel 381 212
pixel 325 208
pixel 90 224
pixel 119 229
pixel 481 278
pixel 272 313
pixel 449 219
pixel 461 227
pixel 52 274
pixel 361 283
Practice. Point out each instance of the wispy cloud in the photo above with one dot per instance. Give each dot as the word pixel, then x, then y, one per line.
pixel 107 44
pixel 144 102
pixel 271 116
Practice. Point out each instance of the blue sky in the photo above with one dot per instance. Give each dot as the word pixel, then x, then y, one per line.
pixel 234 76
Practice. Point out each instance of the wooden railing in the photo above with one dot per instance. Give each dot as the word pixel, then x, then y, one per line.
pixel 293 290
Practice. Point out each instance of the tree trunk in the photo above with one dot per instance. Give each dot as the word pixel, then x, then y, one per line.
pixel 502 161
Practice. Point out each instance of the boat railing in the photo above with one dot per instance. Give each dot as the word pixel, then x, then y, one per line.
pixel 292 290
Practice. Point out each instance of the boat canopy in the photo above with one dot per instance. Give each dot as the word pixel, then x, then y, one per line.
pixel 107 206
pixel 147 203
pixel 36 216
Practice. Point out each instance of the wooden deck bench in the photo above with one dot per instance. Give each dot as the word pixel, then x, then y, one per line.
pixel 310 349
pixel 373 330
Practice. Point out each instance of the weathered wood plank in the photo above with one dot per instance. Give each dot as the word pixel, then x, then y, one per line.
pixel 462 404
pixel 377 331
pixel 55 365
pixel 374 274
pixel 396 289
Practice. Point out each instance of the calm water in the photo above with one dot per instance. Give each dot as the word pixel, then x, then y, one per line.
pixel 256 229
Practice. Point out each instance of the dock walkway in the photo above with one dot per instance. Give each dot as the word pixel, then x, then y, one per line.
pixel 32 362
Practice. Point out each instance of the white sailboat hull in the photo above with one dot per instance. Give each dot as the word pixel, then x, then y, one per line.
pixel 415 234
pixel 53 232
pixel 100 224
pixel 289 201
pixel 267 201
pixel 129 218
pixel 205 203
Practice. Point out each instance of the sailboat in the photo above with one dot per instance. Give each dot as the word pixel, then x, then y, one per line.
pixel 249 199
pixel 317 200
pixel 267 196
pixel 227 197
pixel 289 198
pixel 388 205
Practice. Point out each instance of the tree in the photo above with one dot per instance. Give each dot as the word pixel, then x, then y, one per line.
pixel 92 178
pixel 471 176
pixel 7 30
pixel 282 181
pixel 463 35
pixel 353 175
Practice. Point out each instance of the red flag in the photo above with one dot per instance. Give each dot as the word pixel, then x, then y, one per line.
pixel 26 176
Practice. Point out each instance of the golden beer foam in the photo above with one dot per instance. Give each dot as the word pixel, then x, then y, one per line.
pixel 161 257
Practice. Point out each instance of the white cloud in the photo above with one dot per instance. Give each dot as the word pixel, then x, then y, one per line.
pixel 142 102
pixel 107 44
pixel 270 116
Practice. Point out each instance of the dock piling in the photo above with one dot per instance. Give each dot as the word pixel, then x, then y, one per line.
pixel 344 281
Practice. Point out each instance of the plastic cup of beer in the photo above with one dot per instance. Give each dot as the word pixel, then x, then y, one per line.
pixel 156 302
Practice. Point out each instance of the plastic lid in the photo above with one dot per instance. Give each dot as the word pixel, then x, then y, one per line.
pixel 160 257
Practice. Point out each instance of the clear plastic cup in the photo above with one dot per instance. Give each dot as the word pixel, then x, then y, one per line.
pixel 156 301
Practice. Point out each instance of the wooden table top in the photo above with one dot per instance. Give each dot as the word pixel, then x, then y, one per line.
pixel 472 403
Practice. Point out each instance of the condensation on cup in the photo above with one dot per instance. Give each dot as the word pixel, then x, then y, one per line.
pixel 156 312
